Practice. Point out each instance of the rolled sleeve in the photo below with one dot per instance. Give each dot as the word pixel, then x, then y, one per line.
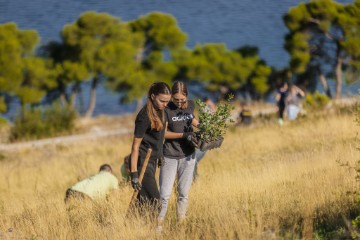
pixel 141 125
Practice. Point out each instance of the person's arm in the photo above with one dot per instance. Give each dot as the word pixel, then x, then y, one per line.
pixel 173 135
pixel 299 91
pixel 194 122
pixel 169 134
pixel 135 153
pixel 277 97
pixel 134 175
pixel 212 107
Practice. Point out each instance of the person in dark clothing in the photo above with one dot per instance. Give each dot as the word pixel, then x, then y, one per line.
pixel 179 152
pixel 149 133
pixel 281 96
pixel 245 115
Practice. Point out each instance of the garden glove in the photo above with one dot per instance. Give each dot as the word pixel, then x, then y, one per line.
pixel 191 137
pixel 135 183
pixel 161 161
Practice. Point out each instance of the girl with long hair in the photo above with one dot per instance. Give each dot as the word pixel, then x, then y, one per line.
pixel 149 133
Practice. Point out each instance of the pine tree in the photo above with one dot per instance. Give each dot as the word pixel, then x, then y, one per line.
pixel 221 69
pixel 161 35
pixel 323 35
pixel 22 73
pixel 105 46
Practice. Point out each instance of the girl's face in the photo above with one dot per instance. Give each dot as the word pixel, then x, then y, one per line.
pixel 160 101
pixel 179 99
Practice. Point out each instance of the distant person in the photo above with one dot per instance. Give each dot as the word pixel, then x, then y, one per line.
pixel 294 102
pixel 94 187
pixel 245 115
pixel 281 97
pixel 149 133
pixel 210 105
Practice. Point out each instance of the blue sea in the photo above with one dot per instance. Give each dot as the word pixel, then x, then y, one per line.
pixel 233 22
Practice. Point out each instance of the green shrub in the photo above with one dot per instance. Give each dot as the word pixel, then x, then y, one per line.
pixel 40 122
pixel 213 125
pixel 316 100
pixel 3 121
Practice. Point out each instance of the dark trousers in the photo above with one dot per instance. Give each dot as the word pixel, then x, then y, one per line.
pixel 71 194
pixel 281 110
pixel 149 191
pixel 149 196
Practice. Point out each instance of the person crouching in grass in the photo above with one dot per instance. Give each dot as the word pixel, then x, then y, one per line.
pixel 97 186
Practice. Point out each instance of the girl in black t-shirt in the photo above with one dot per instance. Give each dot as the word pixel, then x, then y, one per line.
pixel 179 153
pixel 149 133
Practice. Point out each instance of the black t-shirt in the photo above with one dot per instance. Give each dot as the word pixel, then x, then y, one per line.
pixel 179 121
pixel 150 137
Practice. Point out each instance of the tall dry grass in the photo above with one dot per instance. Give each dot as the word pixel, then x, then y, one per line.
pixel 265 182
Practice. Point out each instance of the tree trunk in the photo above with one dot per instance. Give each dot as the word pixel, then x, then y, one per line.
pixel 325 84
pixel 139 58
pixel 73 96
pixel 63 99
pixel 338 76
pixel 92 102
pixel 73 100
pixel 139 55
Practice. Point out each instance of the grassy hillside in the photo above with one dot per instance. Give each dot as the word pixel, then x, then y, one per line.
pixel 264 182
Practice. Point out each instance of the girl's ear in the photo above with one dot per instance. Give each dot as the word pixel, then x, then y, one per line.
pixel 152 96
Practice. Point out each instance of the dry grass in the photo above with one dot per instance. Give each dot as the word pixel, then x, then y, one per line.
pixel 264 182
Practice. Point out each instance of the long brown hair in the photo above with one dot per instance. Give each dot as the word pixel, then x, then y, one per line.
pixel 156 89
pixel 180 87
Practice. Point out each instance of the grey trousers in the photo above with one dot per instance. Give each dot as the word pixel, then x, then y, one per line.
pixel 184 169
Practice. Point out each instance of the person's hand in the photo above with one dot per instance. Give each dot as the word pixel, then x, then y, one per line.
pixel 161 161
pixel 135 183
pixel 191 137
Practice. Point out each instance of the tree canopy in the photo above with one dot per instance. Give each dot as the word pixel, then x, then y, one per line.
pixel 323 42
pixel 323 35
pixel 161 35
pixel 104 45
pixel 23 73
pixel 222 69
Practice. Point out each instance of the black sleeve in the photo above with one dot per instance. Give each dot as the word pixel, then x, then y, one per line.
pixel 166 116
pixel 142 123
